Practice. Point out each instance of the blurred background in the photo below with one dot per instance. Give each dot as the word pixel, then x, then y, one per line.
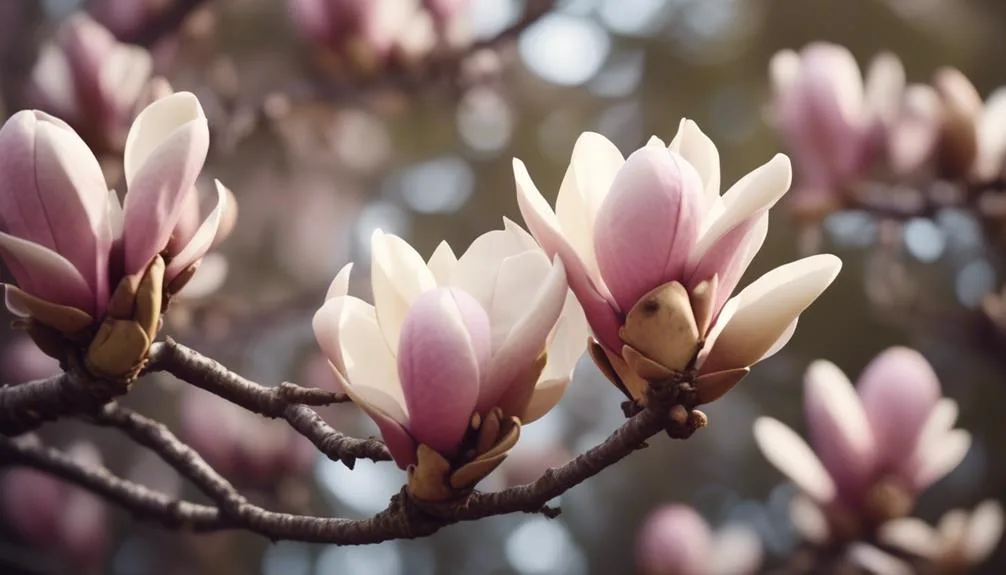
pixel 418 142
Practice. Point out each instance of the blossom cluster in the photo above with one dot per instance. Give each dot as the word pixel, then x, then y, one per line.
pixel 843 130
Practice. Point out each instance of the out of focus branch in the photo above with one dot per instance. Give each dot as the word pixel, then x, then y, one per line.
pixel 403 518
pixel 168 21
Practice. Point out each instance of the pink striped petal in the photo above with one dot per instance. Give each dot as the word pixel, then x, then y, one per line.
pixel 439 366
pixel 201 240
pixel 165 151
pixel 46 274
pixel 544 225
pixel 838 428
pixel 899 390
pixel 648 224
pixel 526 341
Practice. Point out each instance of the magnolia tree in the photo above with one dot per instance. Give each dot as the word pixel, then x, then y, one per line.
pixel 453 353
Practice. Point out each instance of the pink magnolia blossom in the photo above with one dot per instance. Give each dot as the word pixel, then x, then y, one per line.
pixel 876 446
pixel 676 540
pixel 453 338
pixel 834 125
pixel 64 235
pixel 654 230
pixel 90 80
pixel 54 515
pixel 959 541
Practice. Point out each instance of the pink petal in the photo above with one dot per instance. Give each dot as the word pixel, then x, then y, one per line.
pixel 899 391
pixel 438 365
pixel 675 540
pixel 526 341
pixel 165 151
pixel 838 428
pixel 201 240
pixel 87 46
pixel 52 192
pixel 45 274
pixel 730 257
pixel 400 443
pixel 542 222
pixel 648 223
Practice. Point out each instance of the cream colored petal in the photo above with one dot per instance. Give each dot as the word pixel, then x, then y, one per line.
pixel 398 275
pixel 952 529
pixel 442 263
pixel 877 562
pixel 758 190
pixel 767 307
pixel 700 151
pixel 910 534
pixel 568 341
pixel 520 234
pixel 154 124
pixel 519 279
pixel 737 550
pixel 941 458
pixel 991 160
pixel 884 88
pixel 340 285
pixel 655 141
pixel 782 341
pixel 985 530
pixel 790 454
pixel 545 396
pixel 478 268
pixel 592 168
pixel 783 69
pixel 809 519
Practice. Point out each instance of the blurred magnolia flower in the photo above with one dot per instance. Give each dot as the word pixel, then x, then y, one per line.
pixel 53 515
pixel 88 270
pixel 242 445
pixel 653 253
pixel 972 134
pixel 456 354
pixel 876 450
pixel 367 35
pixel 89 79
pixel 834 125
pixel 961 540
pixel 125 17
pixel 676 540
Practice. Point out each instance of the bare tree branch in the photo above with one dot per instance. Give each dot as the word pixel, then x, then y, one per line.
pixel 403 518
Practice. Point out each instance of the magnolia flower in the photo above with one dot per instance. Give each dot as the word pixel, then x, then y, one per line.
pixel 675 540
pixel 50 514
pixel 456 354
pixel 653 253
pixel 89 79
pixel 834 124
pixel 367 34
pixel 79 258
pixel 972 135
pixel 960 541
pixel 875 447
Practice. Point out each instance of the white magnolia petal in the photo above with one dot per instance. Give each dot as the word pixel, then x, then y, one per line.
pixel 520 234
pixel 791 455
pixel 124 75
pixel 941 420
pixel 756 191
pixel 362 355
pixel 208 277
pixel 985 530
pixel 442 263
pixel 478 268
pixel 14 302
pixel 941 457
pixel 876 561
pixel 340 285
pixel 884 88
pixel 783 69
pixel 700 151
pixel 782 341
pixel 398 276
pixel 518 281
pixel 767 307
pixel 910 534
pixel 839 427
pixel 656 142
pixel 592 168
pixel 567 340
pixel 153 125
pixel 115 217
pixel 952 529
pixel 545 396
pixel 809 519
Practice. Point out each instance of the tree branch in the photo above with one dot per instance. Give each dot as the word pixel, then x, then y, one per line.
pixel 192 367
pixel 403 518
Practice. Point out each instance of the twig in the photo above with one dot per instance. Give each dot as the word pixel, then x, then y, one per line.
pixel 208 374
pixel 403 518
